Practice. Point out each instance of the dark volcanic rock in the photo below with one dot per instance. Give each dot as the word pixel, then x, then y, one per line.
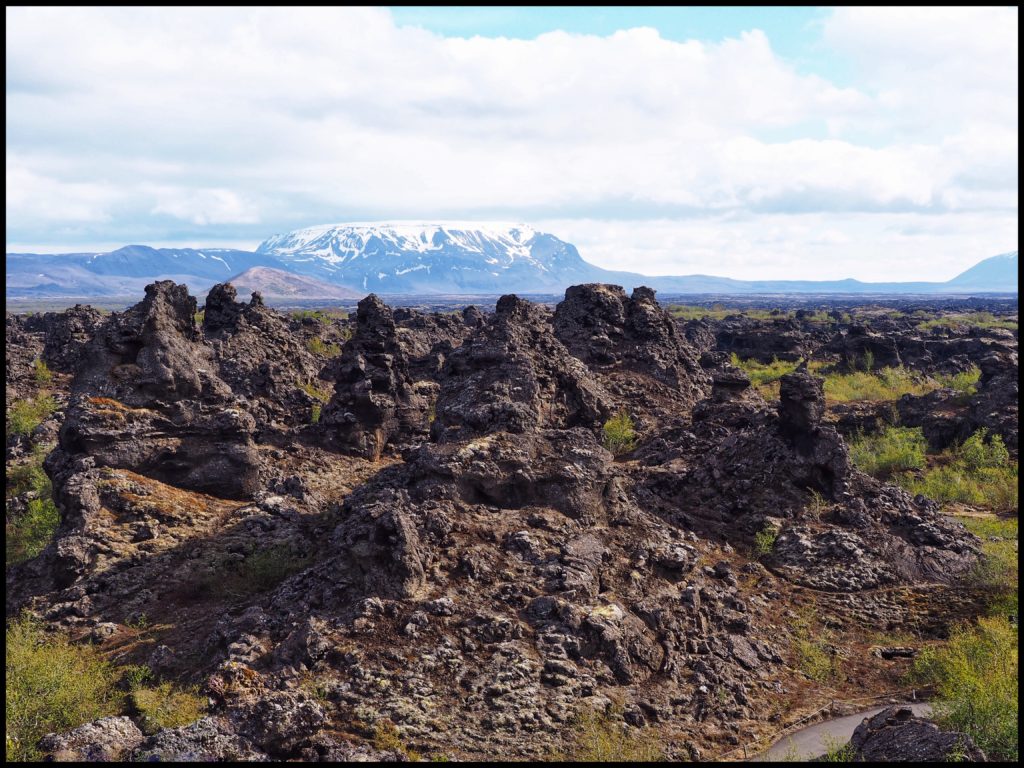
pixel 66 335
pixel 374 402
pixel 513 375
pixel 337 587
pixel 602 327
pixel 258 356
pixel 897 735
pixel 148 398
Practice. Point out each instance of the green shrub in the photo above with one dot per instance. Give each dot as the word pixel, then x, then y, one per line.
pixel 975 676
pixel 991 487
pixel 199 316
pixel 52 686
pixel 315 392
pixel 837 751
pixel 604 738
pixel 976 454
pixel 764 540
pixel 25 415
pixel 814 655
pixel 29 476
pixel 314 413
pixel 996 575
pixel 619 435
pixel 895 449
pixel 977 472
pixel 966 382
pixel 387 739
pixel 317 346
pixel 883 384
pixel 28 534
pixel 42 372
pixel 165 706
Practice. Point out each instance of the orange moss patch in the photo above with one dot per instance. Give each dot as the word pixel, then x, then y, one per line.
pixel 108 403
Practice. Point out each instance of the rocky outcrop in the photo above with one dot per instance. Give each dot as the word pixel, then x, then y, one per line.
pixel 375 403
pixel 599 325
pixel 451 563
pixel 108 740
pixel 765 340
pixel 744 470
pixel 513 375
pixel 859 348
pixel 263 362
pixel 66 335
pixel 897 735
pixel 148 398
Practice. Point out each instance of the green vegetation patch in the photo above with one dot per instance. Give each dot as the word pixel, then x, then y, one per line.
pixel 970 319
pixel 165 706
pixel 52 686
pixel 975 676
pixel 29 476
pixel 41 371
pixel 317 346
pixel 966 382
pixel 979 472
pixel 720 311
pixel 28 534
pixel 883 384
pixel 619 433
pixel 25 415
pixel 895 449
pixel 997 574
pixel 764 541
pixel 814 654
pixel 604 738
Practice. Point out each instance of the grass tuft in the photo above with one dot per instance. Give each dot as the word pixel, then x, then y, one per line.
pixel 51 686
pixel 975 676
pixel 619 434
pixel 25 415
pixel 165 706
pixel 604 738
pixel 895 449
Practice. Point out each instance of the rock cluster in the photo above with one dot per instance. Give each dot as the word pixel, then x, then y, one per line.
pixel 451 555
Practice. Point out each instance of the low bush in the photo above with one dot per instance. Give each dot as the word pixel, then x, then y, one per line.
pixel 387 739
pixel 883 384
pixel 604 738
pixel 813 652
pixel 978 472
pixel 895 449
pixel 975 676
pixel 51 686
pixel 764 541
pixel 965 382
pixel 29 476
pixel 28 534
pixel 997 573
pixel 619 434
pixel 42 372
pixel 164 706
pixel 25 415
pixel 317 346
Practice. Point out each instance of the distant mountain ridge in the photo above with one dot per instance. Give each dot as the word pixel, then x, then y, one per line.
pixel 416 258
pixel 409 257
pixel 281 284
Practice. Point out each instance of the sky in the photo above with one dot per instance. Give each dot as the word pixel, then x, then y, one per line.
pixel 753 143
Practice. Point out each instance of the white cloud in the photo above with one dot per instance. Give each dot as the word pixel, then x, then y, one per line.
pixel 228 124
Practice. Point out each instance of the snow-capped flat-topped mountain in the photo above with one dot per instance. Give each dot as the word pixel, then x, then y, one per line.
pixel 446 257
